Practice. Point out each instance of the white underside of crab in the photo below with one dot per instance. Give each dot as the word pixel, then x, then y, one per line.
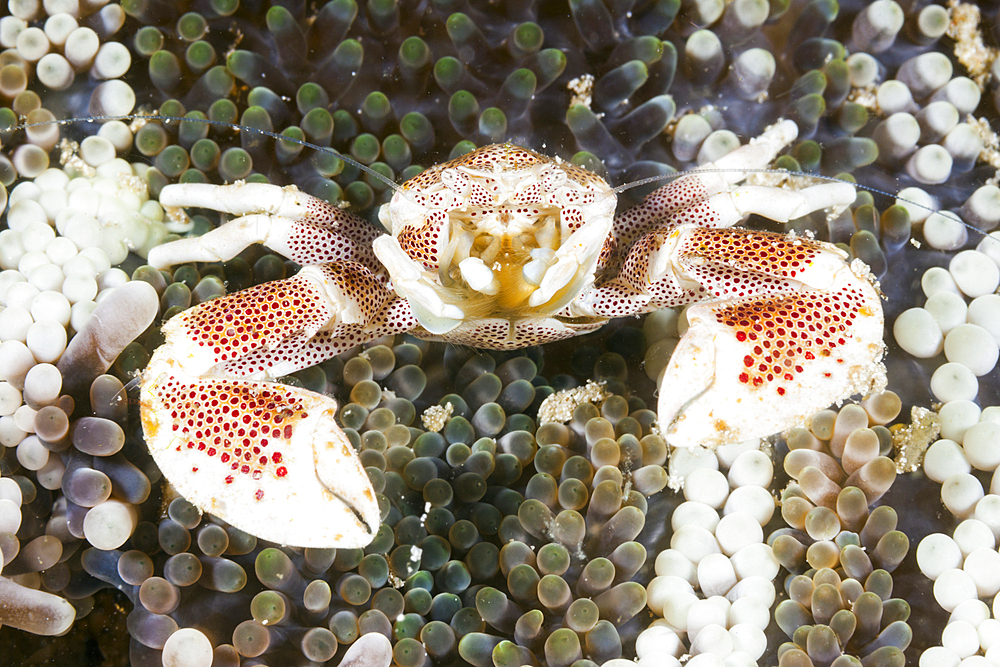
pixel 501 248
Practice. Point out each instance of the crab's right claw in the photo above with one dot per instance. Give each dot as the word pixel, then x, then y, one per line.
pixel 749 367
pixel 264 457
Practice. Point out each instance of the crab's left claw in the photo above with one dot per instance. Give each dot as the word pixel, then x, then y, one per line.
pixel 267 458
pixel 751 366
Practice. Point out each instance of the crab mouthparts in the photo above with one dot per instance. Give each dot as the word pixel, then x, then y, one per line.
pixel 524 271
pixel 516 259
pixel 501 233
pixel 509 279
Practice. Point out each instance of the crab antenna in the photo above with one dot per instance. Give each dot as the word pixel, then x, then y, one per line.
pixel 653 179
pixel 397 188
pixel 131 384
pixel 832 179
pixel 218 123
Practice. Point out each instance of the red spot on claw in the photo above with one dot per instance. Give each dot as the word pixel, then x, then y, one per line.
pixel 259 495
pixel 229 479
pixel 281 471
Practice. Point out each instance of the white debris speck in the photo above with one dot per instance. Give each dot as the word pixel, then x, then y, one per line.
pixel 436 416
pixel 177 218
pixel 582 88
pixel 990 154
pixel 559 406
pixel 910 442
pixel 970 50
pixel 69 158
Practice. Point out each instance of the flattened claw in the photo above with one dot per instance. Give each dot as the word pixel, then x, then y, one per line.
pixel 267 458
pixel 752 366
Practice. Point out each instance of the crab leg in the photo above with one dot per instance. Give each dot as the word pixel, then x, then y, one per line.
pixel 705 197
pixel 301 227
pixel 265 457
pixel 277 317
pixel 646 279
pixel 300 351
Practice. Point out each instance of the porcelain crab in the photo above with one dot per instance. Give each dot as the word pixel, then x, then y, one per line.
pixel 501 248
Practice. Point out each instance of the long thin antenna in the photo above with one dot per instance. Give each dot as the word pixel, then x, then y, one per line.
pixel 218 123
pixel 803 174
pixel 396 187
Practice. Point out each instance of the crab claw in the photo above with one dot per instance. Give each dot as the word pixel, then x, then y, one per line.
pixel 751 366
pixel 267 458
